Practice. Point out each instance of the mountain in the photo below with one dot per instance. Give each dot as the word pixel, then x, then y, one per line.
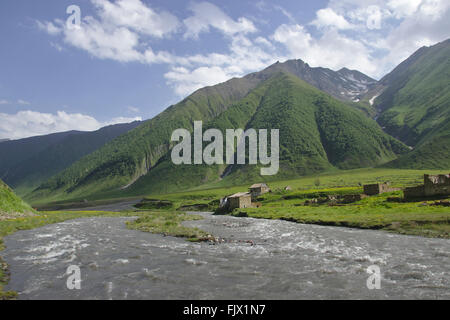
pixel 26 163
pixel 345 84
pixel 12 206
pixel 413 102
pixel 317 133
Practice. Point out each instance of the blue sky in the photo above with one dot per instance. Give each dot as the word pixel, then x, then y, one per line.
pixel 131 59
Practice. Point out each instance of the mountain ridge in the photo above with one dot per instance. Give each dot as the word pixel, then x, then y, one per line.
pixel 38 158
pixel 271 94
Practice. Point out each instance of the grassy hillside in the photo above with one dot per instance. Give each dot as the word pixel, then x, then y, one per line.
pixel 26 163
pixel 130 156
pixel 11 206
pixel 433 153
pixel 417 95
pixel 415 107
pixel 317 133
pixel 120 163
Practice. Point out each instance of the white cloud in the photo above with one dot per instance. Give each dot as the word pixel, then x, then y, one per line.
pixel 328 18
pixel 207 15
pixel 4 102
pixel 369 35
pixel 331 50
pixel 186 81
pixel 105 42
pixel 265 42
pixel 134 14
pixel 133 109
pixel 403 8
pixel 430 24
pixel 23 102
pixel 31 123
pixel 49 27
pixel 57 46
pixel 205 70
pixel 387 31
pixel 117 33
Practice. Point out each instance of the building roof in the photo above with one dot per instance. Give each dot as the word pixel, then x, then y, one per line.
pixel 239 194
pixel 258 185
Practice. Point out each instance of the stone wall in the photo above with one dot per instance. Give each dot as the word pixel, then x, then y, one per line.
pixel 372 189
pixel 438 185
pixel 245 202
pixel 414 192
pixel 378 188
pixel 350 198
pixel 259 191
pixel 240 202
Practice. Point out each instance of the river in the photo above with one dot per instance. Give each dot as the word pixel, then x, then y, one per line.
pixel 260 259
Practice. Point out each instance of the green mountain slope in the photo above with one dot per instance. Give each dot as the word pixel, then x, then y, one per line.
pixel 120 163
pixel 26 163
pixel 11 206
pixel 317 133
pixel 434 153
pixel 415 107
pixel 417 95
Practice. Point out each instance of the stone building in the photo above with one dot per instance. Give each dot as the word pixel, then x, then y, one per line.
pixel 438 185
pixel 434 185
pixel 258 189
pixel 378 188
pixel 240 200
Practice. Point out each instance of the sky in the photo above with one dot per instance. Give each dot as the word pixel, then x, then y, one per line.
pixel 126 60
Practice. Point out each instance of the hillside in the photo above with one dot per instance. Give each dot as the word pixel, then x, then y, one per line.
pixel 317 133
pixel 12 206
pixel 26 163
pixel 414 106
pixel 123 161
pixel 433 154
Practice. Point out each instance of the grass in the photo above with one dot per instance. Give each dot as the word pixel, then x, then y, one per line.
pixel 11 205
pixel 350 179
pixel 413 218
pixel 162 222
pixel 168 224
pixel 375 212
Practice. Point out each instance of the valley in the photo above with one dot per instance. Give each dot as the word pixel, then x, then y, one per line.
pixel 141 225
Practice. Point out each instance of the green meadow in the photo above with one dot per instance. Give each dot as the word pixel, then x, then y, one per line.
pixel 414 218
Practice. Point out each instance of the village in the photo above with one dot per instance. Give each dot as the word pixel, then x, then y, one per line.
pixel 435 186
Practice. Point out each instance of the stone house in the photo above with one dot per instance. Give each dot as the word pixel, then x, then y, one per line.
pixel 258 189
pixel 239 200
pixel 438 185
pixel 378 188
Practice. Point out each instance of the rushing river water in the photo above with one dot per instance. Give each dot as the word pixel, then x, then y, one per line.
pixel 261 259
